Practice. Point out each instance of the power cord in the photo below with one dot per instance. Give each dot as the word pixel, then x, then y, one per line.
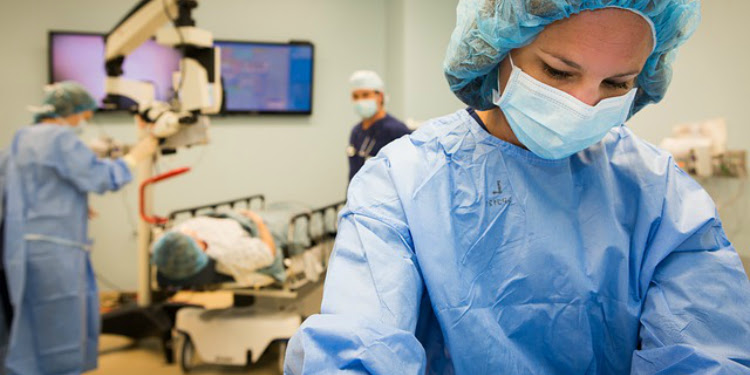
pixel 108 283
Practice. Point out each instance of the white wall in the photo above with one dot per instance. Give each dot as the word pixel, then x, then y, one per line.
pixel 395 73
pixel 298 158
pixel 428 28
pixel 417 41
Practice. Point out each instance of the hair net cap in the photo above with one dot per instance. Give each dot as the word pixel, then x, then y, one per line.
pixel 486 30
pixel 366 80
pixel 177 256
pixel 63 99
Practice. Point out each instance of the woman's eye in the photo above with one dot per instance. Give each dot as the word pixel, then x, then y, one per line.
pixel 556 74
pixel 618 85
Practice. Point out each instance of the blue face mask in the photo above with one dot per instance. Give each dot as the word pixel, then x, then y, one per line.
pixel 554 124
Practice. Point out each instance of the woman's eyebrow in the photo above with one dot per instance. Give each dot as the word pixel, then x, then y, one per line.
pixel 634 72
pixel 566 61
pixel 575 65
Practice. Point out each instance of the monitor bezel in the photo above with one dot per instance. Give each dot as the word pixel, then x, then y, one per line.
pixel 292 43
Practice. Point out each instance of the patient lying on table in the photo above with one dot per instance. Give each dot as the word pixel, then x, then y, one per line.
pixel 226 244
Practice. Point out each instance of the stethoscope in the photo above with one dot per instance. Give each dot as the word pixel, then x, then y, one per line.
pixel 365 149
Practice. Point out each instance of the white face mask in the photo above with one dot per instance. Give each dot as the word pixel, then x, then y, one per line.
pixel 82 125
pixel 78 129
pixel 366 108
pixel 554 124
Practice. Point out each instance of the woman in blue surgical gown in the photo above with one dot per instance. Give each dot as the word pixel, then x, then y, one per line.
pixel 47 173
pixel 533 233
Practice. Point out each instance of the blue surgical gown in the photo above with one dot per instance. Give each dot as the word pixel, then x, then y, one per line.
pixel 55 325
pixel 460 253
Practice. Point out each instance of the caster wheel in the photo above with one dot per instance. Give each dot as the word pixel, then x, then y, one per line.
pixel 188 357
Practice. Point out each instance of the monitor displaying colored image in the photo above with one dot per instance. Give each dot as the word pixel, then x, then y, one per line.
pixel 80 57
pixel 258 78
pixel 267 78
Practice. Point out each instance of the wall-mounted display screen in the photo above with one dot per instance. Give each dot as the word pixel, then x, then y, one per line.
pixel 258 78
pixel 80 57
pixel 267 78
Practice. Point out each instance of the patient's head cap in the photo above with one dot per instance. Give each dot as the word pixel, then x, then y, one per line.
pixel 177 256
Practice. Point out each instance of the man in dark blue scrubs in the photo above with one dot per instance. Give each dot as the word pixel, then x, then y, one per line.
pixel 377 127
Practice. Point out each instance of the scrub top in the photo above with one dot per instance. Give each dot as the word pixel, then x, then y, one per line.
pixel 364 144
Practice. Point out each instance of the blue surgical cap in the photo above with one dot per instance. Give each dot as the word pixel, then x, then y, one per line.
pixel 486 30
pixel 177 256
pixel 63 99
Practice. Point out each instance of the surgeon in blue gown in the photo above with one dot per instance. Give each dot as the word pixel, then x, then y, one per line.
pixel 534 233
pixel 48 173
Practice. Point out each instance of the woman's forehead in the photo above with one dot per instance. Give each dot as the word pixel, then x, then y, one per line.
pixel 618 33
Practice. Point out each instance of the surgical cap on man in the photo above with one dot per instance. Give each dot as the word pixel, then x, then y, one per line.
pixel 177 256
pixel 63 99
pixel 366 80
pixel 486 30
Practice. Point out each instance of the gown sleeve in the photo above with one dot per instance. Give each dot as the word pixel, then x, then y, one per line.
pixel 696 313
pixel 75 162
pixel 373 290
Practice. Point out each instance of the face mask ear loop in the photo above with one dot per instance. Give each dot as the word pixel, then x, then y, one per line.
pixel 499 92
pixel 510 57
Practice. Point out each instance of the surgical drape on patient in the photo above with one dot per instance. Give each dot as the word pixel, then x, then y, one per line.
pixel 460 253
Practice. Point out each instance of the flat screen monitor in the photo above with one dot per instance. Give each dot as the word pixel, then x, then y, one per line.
pixel 80 57
pixel 267 78
pixel 258 78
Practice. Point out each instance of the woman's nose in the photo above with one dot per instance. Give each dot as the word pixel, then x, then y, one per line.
pixel 588 94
